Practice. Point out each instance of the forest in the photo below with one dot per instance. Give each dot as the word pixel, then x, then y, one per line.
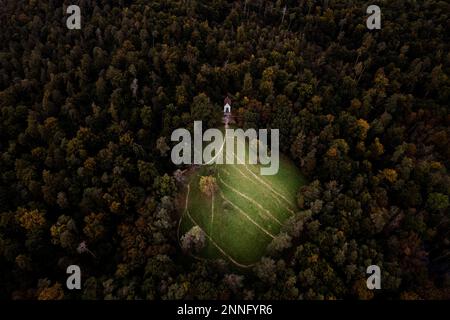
pixel 85 123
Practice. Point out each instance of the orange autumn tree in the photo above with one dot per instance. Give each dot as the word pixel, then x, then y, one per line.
pixel 208 185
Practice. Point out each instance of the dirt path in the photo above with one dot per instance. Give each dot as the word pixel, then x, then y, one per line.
pixel 268 214
pixel 268 186
pixel 255 176
pixel 217 246
pixel 271 194
pixel 222 251
pixel 247 216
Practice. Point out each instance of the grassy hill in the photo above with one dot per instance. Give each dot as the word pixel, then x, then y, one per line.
pixel 246 212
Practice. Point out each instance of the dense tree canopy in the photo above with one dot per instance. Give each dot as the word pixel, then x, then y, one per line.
pixel 85 123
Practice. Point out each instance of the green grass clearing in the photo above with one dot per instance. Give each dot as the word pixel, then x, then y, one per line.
pixel 247 211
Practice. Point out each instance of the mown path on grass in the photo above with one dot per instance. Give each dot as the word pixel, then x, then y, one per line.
pixel 247 212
